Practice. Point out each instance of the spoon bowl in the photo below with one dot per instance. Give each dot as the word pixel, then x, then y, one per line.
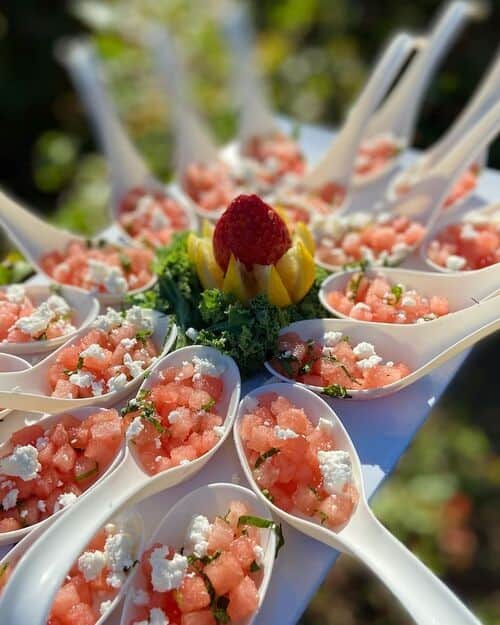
pixel 461 290
pixel 423 347
pixel 11 363
pixel 84 309
pixel 211 501
pixel 34 391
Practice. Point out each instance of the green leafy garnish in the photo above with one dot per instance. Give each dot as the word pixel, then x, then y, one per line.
pixel 79 365
pixel 261 523
pixel 267 494
pixel 83 476
pixel 353 286
pixel 286 359
pixel 219 610
pixel 209 405
pixel 397 291
pixel 323 517
pixel 254 567
pixel 358 264
pixel 55 288
pixel 193 559
pixel 146 409
pixel 336 390
pixel 264 456
pixel 143 335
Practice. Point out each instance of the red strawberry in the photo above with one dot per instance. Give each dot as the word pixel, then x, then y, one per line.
pixel 252 231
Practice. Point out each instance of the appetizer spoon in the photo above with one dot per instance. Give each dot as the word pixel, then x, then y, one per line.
pixel 420 592
pixel 46 422
pixel 11 363
pixel 398 114
pixel 211 500
pixel 44 566
pixel 35 238
pixel 84 310
pixel 29 390
pixel 130 522
pixel 422 347
pixel 127 168
pixel 461 290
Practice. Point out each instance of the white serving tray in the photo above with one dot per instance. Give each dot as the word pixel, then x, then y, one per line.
pixel 381 430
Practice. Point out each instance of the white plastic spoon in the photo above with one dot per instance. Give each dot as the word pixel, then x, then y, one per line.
pixel 35 238
pixel 45 422
pixel 84 310
pixel 421 593
pixel 337 163
pixel 44 567
pixel 461 290
pixel 210 501
pixel 10 362
pixel 32 387
pixel 397 116
pixel 127 168
pixel 130 522
pixel 423 347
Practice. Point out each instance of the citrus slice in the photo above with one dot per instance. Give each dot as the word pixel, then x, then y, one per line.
pixel 209 272
pixel 303 233
pixel 297 270
pixel 234 282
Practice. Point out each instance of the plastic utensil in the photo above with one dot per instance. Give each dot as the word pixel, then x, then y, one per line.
pixel 398 114
pixel 84 309
pixel 421 593
pixel 130 521
pixel 45 565
pixel 11 362
pixel 127 168
pixel 461 289
pixel 33 392
pixel 35 238
pixel 47 421
pixel 211 501
pixel 423 347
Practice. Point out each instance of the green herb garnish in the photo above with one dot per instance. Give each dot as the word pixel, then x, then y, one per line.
pixel 83 476
pixel 353 286
pixel 193 559
pixel 209 405
pixel 219 610
pixel 264 456
pixel 55 288
pixel 254 567
pixel 267 494
pixel 256 521
pixel 79 366
pixel 397 291
pixel 336 390
pixel 143 335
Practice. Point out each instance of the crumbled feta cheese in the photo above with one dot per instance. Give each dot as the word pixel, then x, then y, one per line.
pixel 158 617
pixel 468 232
pixel 325 425
pixel 408 300
pixel 97 387
pixel 251 403
pixel 192 334
pixel 105 606
pixel 174 416
pixel 36 323
pixel 364 350
pixel 10 499
pixel 219 430
pixel 384 218
pixel 82 379
pixel 370 362
pixel 361 306
pixel 91 564
pixel 15 293
pixel 336 469
pixel 359 220
pixel 98 271
pixel 111 319
pixel 389 363
pixel 141 318
pixel 94 351
pixel 115 282
pixel 259 554
pixel 135 428
pixel 197 533
pixel 455 263
pixel 64 500
pixel 140 597
pixel 22 462
pixel 184 462
pixel 134 366
pixel 400 248
pixel 128 343
pixel 41 442
pixel 119 551
pixel 284 434
pixel 330 339
pixel 167 574
pixel 202 366
pixel 117 383
pixel 41 505
pixel 159 220
pixel 58 305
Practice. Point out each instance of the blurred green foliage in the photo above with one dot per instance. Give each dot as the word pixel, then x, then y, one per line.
pixel 443 500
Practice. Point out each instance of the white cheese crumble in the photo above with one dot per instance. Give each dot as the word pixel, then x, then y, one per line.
pixel 468 232
pixel 135 428
pixel 128 343
pixel 284 434
pixel 455 263
pixel 115 282
pixel 111 319
pixel 409 301
pixel 105 606
pixel 15 293
pixel 158 617
pixel 251 403
pixel 218 430
pixel 174 416
pixel 325 425
pixel 94 351
pixel 58 305
pixel 336 469
pixel 330 339
pixel 197 533
pixel 202 366
pixel 192 334
pixel 82 379
pixel 41 442
pixel 10 499
pixel 97 388
pixel 159 220
pixel 167 574
pixel 364 350
pixel 119 551
pixel 41 505
pixel 36 323
pixel 135 367
pixel 370 362
pixel 64 500
pixel 117 383
pixel 259 554
pixel 22 462
pixel 141 318
pixel 91 564
pixel 140 597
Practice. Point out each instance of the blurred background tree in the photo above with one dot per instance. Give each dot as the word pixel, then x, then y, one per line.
pixel 443 500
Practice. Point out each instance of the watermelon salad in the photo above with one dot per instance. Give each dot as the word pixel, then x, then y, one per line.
pixel 472 243
pixel 376 153
pixel 96 577
pixel 381 240
pixel 213 578
pixel 151 217
pixel 334 364
pixel 297 465
pixel 377 299
pixel 45 469
pixel 116 350
pixel 22 321
pixel 176 420
pixel 278 155
pixel 100 266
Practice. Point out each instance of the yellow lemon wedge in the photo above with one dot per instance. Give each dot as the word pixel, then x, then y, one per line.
pixel 271 285
pixel 192 246
pixel 207 229
pixel 303 233
pixel 209 272
pixel 234 281
pixel 297 271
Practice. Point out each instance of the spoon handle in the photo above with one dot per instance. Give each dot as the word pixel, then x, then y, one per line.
pixel 127 168
pixel 399 112
pixel 424 596
pixel 338 162
pixel 45 565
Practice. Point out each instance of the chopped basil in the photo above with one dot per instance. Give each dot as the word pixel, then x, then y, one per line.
pixel 397 291
pixel 267 494
pixel 336 390
pixel 264 456
pixel 286 362
pixel 342 366
pixel 79 365
pixel 219 610
pixel 146 409
pixel 323 517
pixel 83 476
pixel 193 559
pixel 353 286
pixel 254 567
pixel 143 335
pixel 358 264
pixel 257 521
pixel 313 490
pixel 209 405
